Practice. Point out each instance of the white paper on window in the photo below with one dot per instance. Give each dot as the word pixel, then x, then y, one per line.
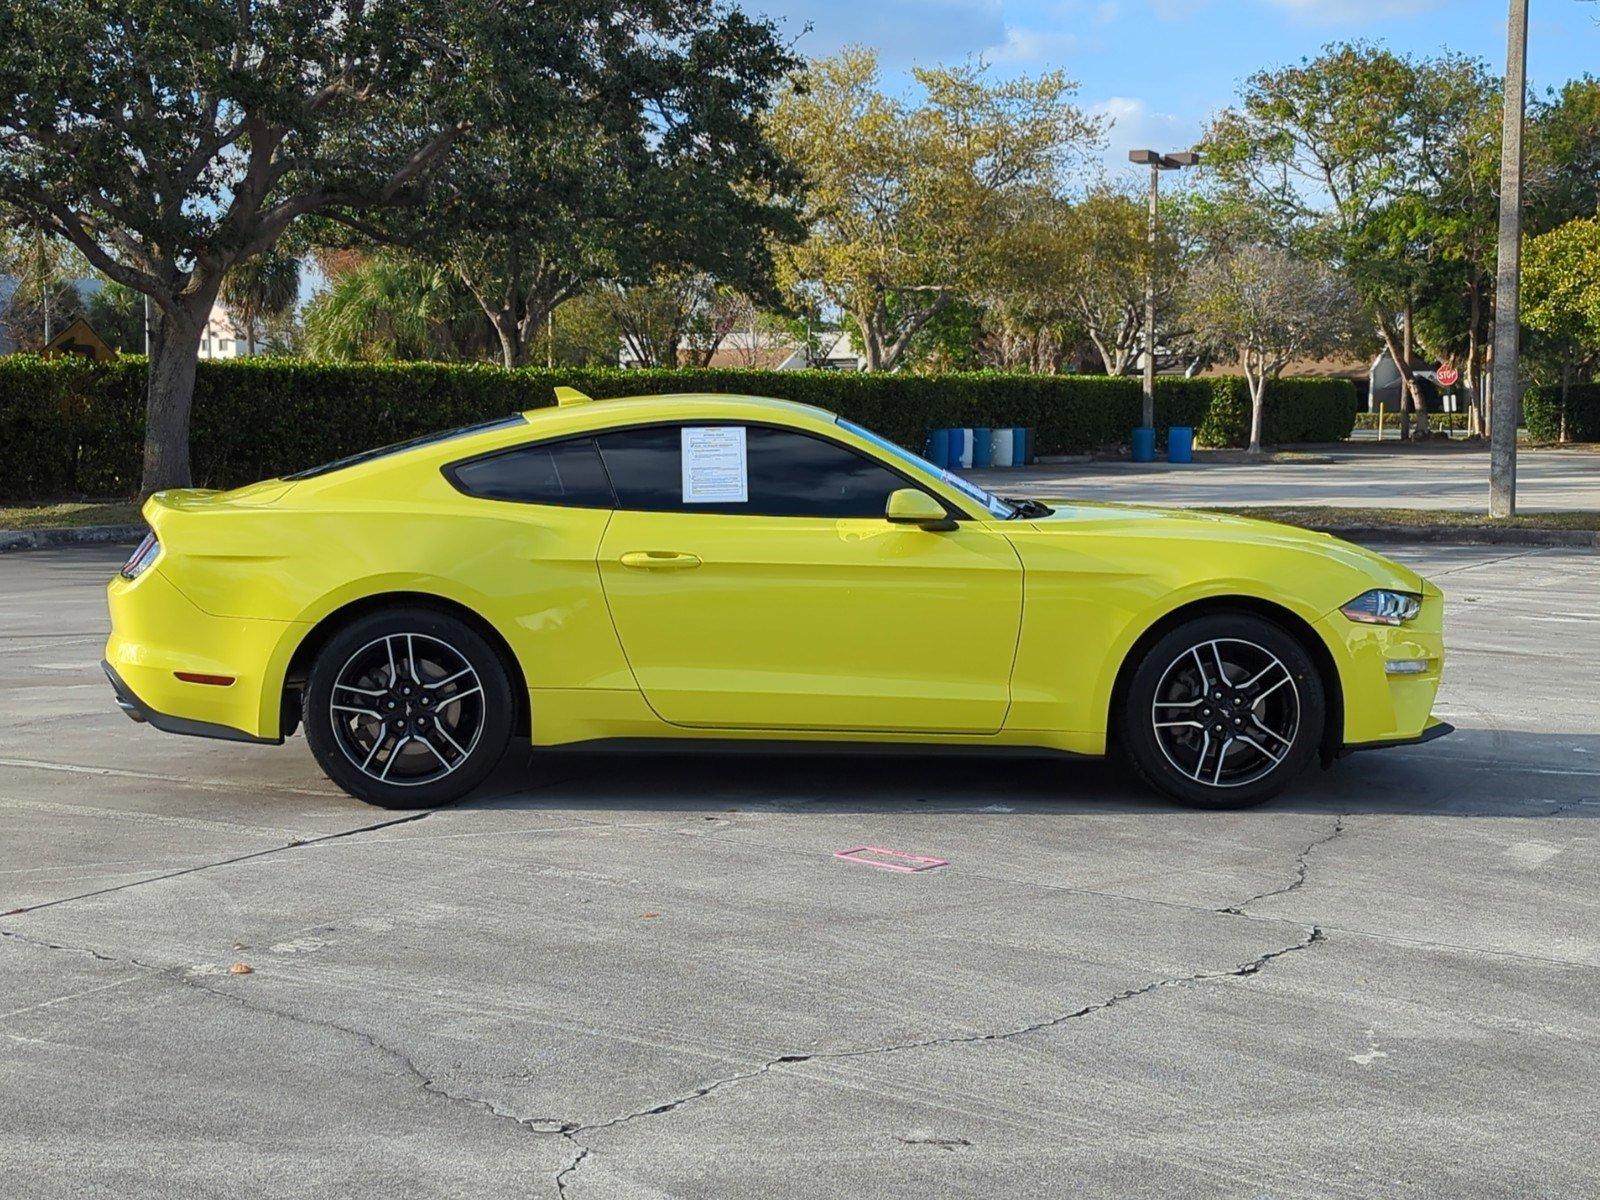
pixel 714 465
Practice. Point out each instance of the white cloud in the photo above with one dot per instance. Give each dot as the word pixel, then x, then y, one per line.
pixel 1134 126
pixel 1033 46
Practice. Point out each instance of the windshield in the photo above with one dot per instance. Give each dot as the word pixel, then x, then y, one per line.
pixel 996 506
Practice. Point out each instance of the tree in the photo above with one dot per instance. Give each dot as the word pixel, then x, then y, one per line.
pixel 172 143
pixel 116 312
pixel 1269 307
pixel 260 288
pixel 1561 295
pixel 1564 152
pixel 44 296
pixel 391 307
pixel 1327 147
pixel 677 320
pixel 662 166
pixel 586 333
pixel 908 202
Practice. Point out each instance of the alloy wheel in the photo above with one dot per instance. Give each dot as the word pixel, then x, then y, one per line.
pixel 407 709
pixel 1226 712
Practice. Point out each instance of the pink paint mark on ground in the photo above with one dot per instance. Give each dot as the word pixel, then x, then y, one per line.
pixel 889 860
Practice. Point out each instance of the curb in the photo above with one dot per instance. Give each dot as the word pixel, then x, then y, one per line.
pixel 83 535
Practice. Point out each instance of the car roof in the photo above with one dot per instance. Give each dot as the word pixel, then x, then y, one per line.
pixel 627 410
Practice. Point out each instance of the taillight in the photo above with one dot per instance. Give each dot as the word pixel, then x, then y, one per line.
pixel 139 561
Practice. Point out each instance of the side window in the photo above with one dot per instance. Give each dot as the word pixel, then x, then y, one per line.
pixel 565 473
pixel 790 474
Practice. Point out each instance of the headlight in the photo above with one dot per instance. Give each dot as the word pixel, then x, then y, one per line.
pixel 139 561
pixel 1382 607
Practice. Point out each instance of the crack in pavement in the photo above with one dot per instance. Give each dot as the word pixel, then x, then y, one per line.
pixel 573 1131
pixel 184 975
pixel 1244 970
pixel 44 945
pixel 297 844
pixel 1302 868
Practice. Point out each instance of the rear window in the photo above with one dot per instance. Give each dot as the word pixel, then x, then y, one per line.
pixel 427 439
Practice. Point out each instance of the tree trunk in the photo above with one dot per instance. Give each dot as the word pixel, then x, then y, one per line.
pixel 867 324
pixel 1566 384
pixel 1391 343
pixel 513 348
pixel 1257 383
pixel 1471 377
pixel 1408 347
pixel 168 397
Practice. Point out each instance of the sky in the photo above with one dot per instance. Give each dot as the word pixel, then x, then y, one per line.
pixel 1160 67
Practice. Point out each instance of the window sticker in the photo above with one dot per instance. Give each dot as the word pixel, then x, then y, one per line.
pixel 715 470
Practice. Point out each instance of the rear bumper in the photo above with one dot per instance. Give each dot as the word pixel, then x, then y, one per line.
pixel 141 712
pixel 159 639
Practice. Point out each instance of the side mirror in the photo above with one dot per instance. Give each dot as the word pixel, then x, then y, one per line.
pixel 912 506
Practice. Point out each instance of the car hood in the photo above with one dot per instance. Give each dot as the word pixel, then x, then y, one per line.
pixel 1190 525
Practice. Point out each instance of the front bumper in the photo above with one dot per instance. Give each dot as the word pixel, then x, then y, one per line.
pixel 1389 676
pixel 1432 732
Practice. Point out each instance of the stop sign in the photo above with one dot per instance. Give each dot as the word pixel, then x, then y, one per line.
pixel 1447 375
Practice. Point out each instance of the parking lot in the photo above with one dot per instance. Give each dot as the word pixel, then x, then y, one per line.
pixel 1450 476
pixel 650 976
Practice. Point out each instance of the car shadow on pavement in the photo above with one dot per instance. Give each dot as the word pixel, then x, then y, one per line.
pixel 1476 776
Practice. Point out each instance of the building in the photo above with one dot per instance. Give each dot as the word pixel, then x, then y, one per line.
pixel 223 338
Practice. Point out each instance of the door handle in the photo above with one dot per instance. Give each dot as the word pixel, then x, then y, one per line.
pixel 659 560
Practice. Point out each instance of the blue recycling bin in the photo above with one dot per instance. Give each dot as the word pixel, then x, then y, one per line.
pixel 982 448
pixel 1144 444
pixel 1024 445
pixel 939 447
pixel 1180 444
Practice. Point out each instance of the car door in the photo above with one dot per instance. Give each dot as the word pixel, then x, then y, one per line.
pixel 794 604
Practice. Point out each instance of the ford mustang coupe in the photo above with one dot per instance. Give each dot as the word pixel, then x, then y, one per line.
pixel 708 568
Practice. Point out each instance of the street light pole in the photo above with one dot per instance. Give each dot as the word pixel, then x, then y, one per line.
pixel 1158 163
pixel 1506 391
pixel 1148 412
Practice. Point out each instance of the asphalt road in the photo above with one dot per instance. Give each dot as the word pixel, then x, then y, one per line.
pixel 1369 476
pixel 651 977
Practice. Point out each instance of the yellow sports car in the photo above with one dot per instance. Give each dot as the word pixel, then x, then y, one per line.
pixel 721 567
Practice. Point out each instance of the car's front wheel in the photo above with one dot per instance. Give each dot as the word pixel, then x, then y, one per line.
pixel 408 707
pixel 1223 711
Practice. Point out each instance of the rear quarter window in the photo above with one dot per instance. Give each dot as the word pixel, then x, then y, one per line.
pixel 561 473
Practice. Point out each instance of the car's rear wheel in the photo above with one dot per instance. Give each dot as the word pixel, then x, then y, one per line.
pixel 1223 711
pixel 408 707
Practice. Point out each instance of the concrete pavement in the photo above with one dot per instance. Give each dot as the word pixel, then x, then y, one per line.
pixel 1439 477
pixel 647 977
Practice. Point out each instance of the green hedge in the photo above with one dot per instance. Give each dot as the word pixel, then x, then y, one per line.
pixel 1541 412
pixel 1297 410
pixel 68 427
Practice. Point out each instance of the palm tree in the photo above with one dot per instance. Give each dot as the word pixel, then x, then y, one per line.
pixel 392 307
pixel 264 286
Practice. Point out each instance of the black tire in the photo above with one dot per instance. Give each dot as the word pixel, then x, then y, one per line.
pixel 455 712
pixel 1229 752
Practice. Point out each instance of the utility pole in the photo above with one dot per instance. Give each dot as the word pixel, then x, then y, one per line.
pixel 44 282
pixel 1507 390
pixel 1158 163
